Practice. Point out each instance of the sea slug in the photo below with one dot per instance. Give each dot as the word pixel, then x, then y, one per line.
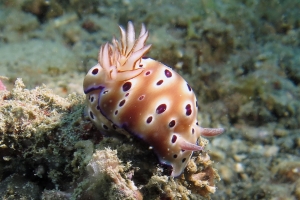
pixel 131 94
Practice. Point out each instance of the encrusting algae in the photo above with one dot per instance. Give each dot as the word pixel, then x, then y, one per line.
pixel 48 139
pixel 37 127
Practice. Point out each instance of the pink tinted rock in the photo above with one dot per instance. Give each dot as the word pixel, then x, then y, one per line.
pixel 2 86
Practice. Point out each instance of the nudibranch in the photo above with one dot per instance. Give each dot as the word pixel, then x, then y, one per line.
pixel 131 94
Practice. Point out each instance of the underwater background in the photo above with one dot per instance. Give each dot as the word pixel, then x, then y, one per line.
pixel 240 57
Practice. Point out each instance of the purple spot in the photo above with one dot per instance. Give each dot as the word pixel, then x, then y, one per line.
pixel 188 112
pixel 172 123
pixel 141 97
pixel 122 103
pixel 196 104
pixel 159 82
pixel 161 108
pixel 183 160
pixel 193 130
pixel 126 95
pixel 126 86
pixel 116 112
pixel 98 107
pixel 175 156
pixel 149 120
pixel 190 89
pixel 174 138
pixel 92 99
pixel 168 73
pixel 147 73
pixel 188 106
pixel 197 123
pixel 141 65
pixel 95 71
pixel 188 109
pixel 92 115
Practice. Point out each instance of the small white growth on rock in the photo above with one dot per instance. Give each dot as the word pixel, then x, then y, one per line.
pixel 104 165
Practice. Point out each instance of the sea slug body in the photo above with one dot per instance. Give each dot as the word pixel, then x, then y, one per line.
pixel 130 94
